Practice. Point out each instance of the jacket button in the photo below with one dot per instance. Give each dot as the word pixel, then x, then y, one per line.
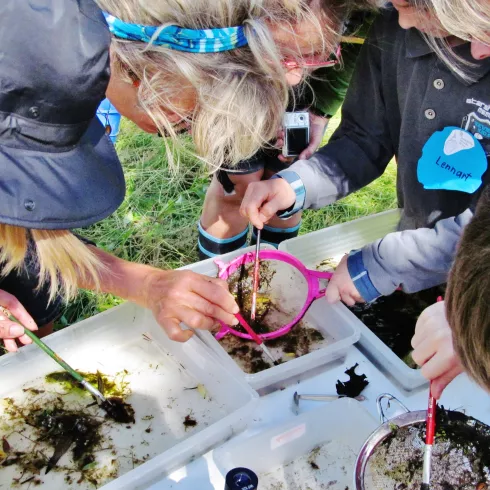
pixel 34 112
pixel 430 113
pixel 439 83
pixel 29 204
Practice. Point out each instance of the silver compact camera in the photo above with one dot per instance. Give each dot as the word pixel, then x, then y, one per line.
pixel 296 133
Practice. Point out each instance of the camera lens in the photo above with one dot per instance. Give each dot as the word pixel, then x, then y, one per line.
pixel 301 118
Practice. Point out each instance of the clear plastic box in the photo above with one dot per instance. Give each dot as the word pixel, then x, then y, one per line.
pixel 316 449
pixel 164 377
pixel 333 321
pixel 334 242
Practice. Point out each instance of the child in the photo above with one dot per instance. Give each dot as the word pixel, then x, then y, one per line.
pixel 442 348
pixel 467 305
pixel 221 228
pixel 403 102
pixel 452 336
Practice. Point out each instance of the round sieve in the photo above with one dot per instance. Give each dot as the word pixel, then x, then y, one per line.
pixel 452 466
pixel 291 287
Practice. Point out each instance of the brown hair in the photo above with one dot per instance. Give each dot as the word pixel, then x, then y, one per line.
pixel 468 296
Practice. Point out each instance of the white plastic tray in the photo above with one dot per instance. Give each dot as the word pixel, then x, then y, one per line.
pixel 333 321
pixel 329 437
pixel 159 373
pixel 334 242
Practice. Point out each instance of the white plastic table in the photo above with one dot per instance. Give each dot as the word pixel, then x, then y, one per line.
pixel 276 408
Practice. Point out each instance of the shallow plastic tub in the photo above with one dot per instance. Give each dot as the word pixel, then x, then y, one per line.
pixel 316 449
pixel 332 243
pixel 333 321
pixel 337 240
pixel 168 380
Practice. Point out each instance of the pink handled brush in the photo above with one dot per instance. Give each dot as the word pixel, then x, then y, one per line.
pixel 429 440
pixel 429 434
pixel 256 338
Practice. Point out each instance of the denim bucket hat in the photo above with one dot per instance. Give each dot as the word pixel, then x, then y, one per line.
pixel 58 168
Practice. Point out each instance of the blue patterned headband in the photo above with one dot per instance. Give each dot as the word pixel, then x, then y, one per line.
pixel 178 38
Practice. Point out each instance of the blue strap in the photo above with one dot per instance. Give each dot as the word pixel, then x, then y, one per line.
pixel 294 180
pixel 360 276
pixel 178 38
pixel 292 229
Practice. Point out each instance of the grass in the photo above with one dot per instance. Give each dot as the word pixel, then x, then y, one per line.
pixel 157 223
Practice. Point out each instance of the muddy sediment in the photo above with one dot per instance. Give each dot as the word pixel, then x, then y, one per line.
pixel 299 341
pixel 57 427
pixel 393 318
pixel 460 457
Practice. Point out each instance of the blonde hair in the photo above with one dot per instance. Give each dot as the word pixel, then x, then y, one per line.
pixel 465 19
pixel 459 18
pixel 467 303
pixel 60 258
pixel 241 94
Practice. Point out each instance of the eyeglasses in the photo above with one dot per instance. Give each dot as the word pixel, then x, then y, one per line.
pixel 315 61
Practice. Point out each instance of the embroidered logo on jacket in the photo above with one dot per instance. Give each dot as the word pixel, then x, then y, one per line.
pixel 483 109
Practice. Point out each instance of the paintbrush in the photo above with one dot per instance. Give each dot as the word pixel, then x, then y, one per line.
pixel 94 391
pixel 429 440
pixel 257 338
pixel 429 434
pixel 255 277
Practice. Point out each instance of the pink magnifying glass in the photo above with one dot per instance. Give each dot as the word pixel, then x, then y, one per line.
pixel 290 287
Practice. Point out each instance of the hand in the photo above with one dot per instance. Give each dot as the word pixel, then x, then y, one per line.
pixel 173 296
pixel 9 330
pixel 318 126
pixel 184 296
pixel 341 287
pixel 433 348
pixel 264 199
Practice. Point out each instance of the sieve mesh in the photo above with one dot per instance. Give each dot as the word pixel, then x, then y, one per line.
pixel 282 293
pixel 457 459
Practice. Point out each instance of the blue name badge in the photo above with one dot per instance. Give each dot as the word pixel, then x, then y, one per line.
pixel 452 159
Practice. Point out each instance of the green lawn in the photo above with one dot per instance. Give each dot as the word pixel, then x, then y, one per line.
pixel 157 222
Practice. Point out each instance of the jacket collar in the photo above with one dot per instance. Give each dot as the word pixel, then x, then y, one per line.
pixel 417 46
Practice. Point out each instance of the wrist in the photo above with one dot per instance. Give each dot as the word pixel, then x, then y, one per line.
pixel 360 276
pixel 151 282
pixel 319 113
pixel 285 189
pixel 128 280
pixel 295 184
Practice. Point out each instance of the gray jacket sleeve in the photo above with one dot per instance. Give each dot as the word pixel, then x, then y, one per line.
pixel 362 146
pixel 414 259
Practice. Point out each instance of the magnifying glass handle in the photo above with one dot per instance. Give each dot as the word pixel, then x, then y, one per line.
pixel 318 276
